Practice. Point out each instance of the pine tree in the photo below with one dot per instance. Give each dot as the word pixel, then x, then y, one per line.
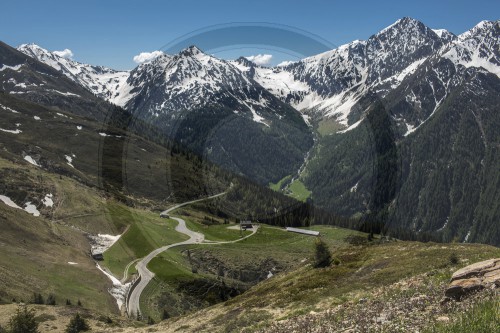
pixel 77 324
pixel 51 300
pixel 23 321
pixel 37 298
pixel 322 256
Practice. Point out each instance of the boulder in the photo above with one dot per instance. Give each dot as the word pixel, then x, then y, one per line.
pixel 484 274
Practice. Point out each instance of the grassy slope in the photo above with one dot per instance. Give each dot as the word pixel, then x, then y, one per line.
pixel 36 251
pixel 363 270
pixel 484 316
pixel 299 191
pixel 296 189
pixel 173 266
pixel 80 206
pixel 146 233
pixel 277 186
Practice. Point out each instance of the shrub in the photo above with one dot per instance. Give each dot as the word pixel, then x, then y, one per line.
pixel 51 300
pixel 37 298
pixel 453 259
pixel 23 321
pixel 77 324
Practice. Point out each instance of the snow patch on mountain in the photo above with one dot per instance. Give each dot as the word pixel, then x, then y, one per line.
pixel 14 68
pixel 31 208
pixel 17 131
pixel 69 160
pixel 8 109
pixel 8 201
pixel 30 160
pixel 47 201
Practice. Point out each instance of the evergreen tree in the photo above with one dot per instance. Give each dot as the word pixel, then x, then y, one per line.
pixel 322 256
pixel 51 300
pixel 37 299
pixel 23 321
pixel 77 324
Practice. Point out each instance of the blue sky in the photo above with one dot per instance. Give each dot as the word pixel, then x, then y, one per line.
pixel 111 32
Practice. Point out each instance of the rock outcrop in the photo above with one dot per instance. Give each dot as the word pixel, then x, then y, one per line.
pixel 484 274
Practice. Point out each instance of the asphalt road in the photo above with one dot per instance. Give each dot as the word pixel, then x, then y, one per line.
pixel 142 269
pixel 147 275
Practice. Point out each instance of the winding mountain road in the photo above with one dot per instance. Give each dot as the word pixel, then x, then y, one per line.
pixel 133 300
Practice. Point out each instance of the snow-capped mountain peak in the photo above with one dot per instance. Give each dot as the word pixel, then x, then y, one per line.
pixel 445 34
pixel 193 79
pixel 332 82
pixel 477 47
pixel 103 82
pixel 191 50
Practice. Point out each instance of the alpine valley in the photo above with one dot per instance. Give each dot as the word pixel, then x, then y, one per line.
pixel 143 181
pixel 403 120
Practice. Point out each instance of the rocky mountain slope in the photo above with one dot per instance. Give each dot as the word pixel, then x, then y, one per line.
pixel 103 82
pixel 205 103
pixel 210 106
pixel 436 160
pixel 32 80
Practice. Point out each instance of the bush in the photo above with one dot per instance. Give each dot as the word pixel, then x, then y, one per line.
pixel 322 256
pixel 23 321
pixel 77 324
pixel 37 298
pixel 51 300
pixel 453 259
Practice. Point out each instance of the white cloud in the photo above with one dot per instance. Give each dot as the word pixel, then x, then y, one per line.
pixel 66 53
pixel 261 59
pixel 285 63
pixel 146 56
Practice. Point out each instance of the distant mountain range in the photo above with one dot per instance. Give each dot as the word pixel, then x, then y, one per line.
pixel 406 123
